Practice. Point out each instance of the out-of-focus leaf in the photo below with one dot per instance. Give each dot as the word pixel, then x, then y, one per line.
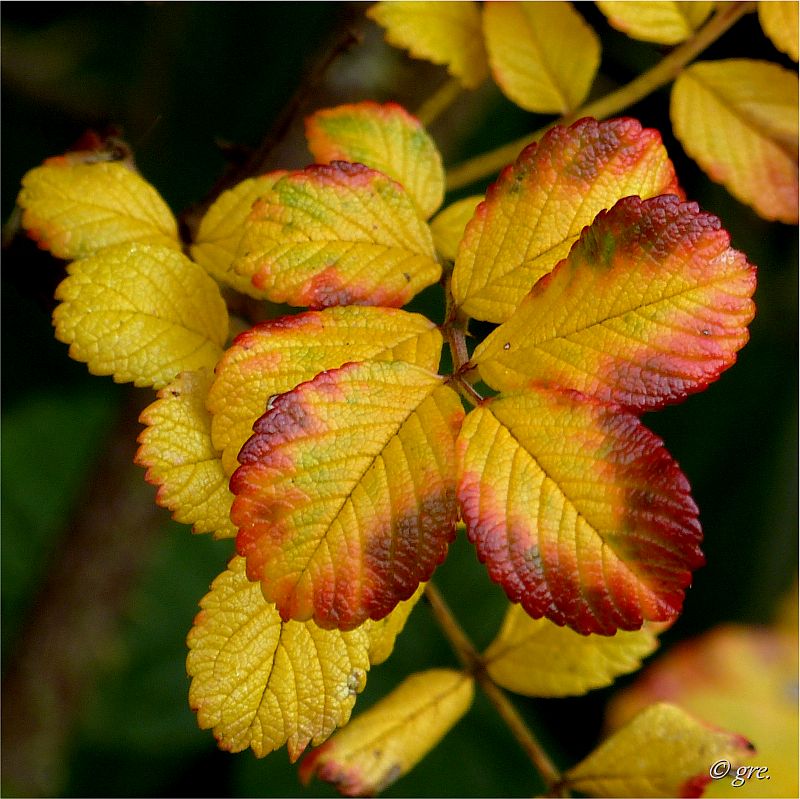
pixel 651 304
pixel 448 226
pixel 388 740
pixel 738 119
pixel 441 32
pixel 660 21
pixel 535 657
pixel 338 234
pixel 180 459
pixel 543 56
pixel 276 356
pixel 222 228
pixel 740 678
pixel 578 511
pixel 345 500
pixel 76 209
pixel 383 137
pixel 141 313
pixel 538 207
pixel 779 20
pixel 662 752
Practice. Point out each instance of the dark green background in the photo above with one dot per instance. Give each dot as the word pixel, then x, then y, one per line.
pixel 180 79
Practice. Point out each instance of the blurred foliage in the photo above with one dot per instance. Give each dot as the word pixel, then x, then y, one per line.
pixel 188 84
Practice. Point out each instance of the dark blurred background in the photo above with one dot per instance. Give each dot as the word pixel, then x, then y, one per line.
pixel 99 587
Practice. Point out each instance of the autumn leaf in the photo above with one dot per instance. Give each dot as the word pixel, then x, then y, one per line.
pixel 741 678
pixel 141 313
pixel 538 207
pixel 180 459
pixel 262 683
pixel 345 500
pixel 222 228
pixel 535 657
pixel 76 209
pixel 779 20
pixel 577 510
pixel 659 21
pixel 444 33
pixel 276 356
pixel 382 744
pixel 738 119
pixel 448 226
pixel 385 138
pixel 651 304
pixel 662 752
pixel 338 234
pixel 543 56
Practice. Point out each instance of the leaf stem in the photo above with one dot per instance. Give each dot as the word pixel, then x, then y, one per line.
pixel 439 101
pixel 663 72
pixel 474 664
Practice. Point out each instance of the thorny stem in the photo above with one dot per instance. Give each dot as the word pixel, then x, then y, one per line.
pixel 473 663
pixel 663 72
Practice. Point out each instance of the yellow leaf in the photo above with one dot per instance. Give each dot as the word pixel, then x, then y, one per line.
pixel 383 137
pixel 543 56
pixel 538 207
pixel 76 209
pixel 660 21
pixel 141 313
pixel 441 32
pixel 222 228
pixel 384 632
pixel 740 678
pixel 779 21
pixel 345 500
pixel 388 740
pixel 534 657
pixel 662 752
pixel 738 119
pixel 337 234
pixel 180 459
pixel 278 355
pixel 448 226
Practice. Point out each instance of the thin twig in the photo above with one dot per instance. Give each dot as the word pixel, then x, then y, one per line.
pixel 440 100
pixel 488 164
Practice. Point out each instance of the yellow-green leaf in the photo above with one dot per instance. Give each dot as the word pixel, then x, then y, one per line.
pixel 180 459
pixel 448 226
pixel 260 682
pixel 538 207
pixel 779 20
pixel 543 56
pixel 345 500
pixel 383 137
pixel 441 32
pixel 535 657
pixel 662 752
pixel 338 234
pixel 222 228
pixel 76 209
pixel 577 510
pixel 388 740
pixel 383 633
pixel 275 356
pixel 736 677
pixel 650 305
pixel 738 119
pixel 660 21
pixel 141 313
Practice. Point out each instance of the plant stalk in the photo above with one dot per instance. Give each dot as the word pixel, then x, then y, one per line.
pixel 473 663
pixel 663 72
pixel 439 101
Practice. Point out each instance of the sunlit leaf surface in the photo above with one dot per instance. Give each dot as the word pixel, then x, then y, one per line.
pixel 779 20
pixel 660 21
pixel 345 499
